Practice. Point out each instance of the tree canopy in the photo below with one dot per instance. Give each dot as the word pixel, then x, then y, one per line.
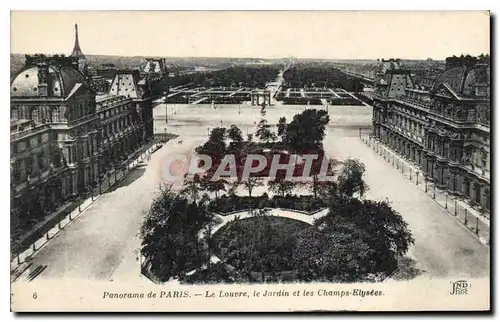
pixel 169 233
pixel 305 133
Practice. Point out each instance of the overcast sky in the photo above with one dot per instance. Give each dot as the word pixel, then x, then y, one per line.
pixel 266 34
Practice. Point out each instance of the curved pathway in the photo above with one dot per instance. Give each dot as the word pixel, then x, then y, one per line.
pixel 277 212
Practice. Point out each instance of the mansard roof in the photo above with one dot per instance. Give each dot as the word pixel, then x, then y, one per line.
pixel 59 73
pixel 463 79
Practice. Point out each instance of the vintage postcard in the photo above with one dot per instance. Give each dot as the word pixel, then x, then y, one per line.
pixel 231 161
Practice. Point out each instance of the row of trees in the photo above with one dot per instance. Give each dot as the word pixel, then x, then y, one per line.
pixel 320 76
pixel 349 183
pixel 237 76
pixel 466 60
pixel 304 134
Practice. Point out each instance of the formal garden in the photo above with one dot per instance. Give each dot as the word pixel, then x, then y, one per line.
pixel 186 234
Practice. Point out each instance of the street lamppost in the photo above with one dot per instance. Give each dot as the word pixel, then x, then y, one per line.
pixel 446 201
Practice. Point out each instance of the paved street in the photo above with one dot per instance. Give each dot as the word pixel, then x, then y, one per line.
pixel 102 244
pixel 443 247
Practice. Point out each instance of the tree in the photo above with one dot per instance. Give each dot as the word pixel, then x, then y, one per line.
pixel 210 185
pixel 350 179
pixel 215 146
pixel 236 136
pixel 264 133
pixel 281 186
pixel 282 128
pixel 326 190
pixel 250 183
pixel 191 188
pixel 323 189
pixel 169 234
pixel 310 246
pixel 306 131
pixel 322 256
pixel 370 223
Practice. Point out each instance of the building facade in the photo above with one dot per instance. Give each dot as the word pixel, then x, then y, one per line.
pixel 444 128
pixel 65 138
pixel 54 133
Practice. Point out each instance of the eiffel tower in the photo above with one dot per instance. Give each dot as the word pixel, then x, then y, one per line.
pixel 77 51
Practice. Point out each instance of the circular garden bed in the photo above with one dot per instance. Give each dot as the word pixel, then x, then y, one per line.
pixel 258 244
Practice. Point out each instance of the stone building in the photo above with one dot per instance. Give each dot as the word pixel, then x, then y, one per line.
pixel 130 84
pixel 443 128
pixel 65 138
pixel 54 133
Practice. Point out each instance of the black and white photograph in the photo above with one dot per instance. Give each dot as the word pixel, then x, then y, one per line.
pixel 237 161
